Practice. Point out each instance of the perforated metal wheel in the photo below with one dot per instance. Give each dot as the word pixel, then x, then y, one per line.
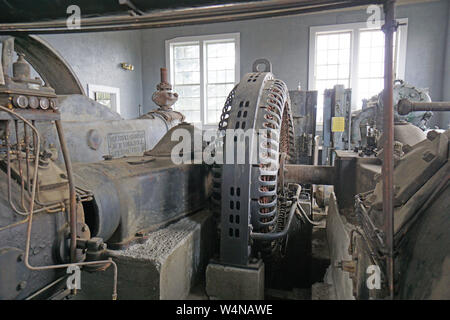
pixel 250 193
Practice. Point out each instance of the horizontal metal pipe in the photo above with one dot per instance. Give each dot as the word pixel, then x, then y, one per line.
pixel 187 16
pixel 406 106
pixel 300 173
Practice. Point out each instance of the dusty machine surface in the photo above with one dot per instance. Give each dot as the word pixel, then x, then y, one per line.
pixel 421 204
pixel 55 214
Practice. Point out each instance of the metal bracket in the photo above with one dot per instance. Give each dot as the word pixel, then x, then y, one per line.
pixel 262 61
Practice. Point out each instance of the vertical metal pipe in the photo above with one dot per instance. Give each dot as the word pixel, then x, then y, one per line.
pixel 72 194
pixel 27 156
pixel 164 76
pixel 388 147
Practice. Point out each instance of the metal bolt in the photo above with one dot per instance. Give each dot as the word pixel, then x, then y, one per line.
pixel 431 135
pixel 21 285
pixel 428 156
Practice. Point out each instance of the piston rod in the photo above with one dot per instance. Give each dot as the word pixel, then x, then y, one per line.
pixel 406 106
pixel 300 173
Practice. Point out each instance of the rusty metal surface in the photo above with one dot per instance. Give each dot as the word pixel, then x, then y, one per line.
pixel 388 148
pixel 72 193
pixel 163 96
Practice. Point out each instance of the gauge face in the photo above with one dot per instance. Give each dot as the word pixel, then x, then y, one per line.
pixel 53 104
pixel 20 101
pixel 44 103
pixel 33 102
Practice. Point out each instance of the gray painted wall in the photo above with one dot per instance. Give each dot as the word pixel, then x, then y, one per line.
pixel 285 41
pixel 445 116
pixel 96 58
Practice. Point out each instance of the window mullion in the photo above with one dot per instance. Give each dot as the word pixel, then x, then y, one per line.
pixel 354 71
pixel 203 68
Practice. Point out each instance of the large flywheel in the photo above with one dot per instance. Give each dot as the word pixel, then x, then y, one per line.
pixel 254 202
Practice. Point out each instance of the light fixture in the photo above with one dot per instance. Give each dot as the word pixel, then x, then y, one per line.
pixel 127 66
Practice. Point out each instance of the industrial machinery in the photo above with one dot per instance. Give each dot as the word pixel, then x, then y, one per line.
pixel 130 216
pixel 362 129
pixel 55 216
pixel 355 222
pixel 262 218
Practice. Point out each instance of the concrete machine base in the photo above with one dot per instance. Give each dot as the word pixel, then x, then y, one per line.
pixel 234 283
pixel 166 266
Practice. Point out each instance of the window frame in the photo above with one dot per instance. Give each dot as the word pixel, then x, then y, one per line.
pixel 354 29
pixel 201 40
pixel 114 91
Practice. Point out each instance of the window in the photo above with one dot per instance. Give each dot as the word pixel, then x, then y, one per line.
pixel 203 71
pixel 107 96
pixel 352 55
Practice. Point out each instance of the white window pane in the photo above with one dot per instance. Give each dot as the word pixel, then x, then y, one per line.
pixel 188 91
pixel 365 39
pixel 344 71
pixel 333 41
pixel 231 76
pixel 216 96
pixel 333 56
pixel 364 70
pixel 377 70
pixel 321 57
pixel 376 85
pixel 371 66
pixel 344 40
pixel 186 64
pixel 218 67
pixel 377 54
pixel 322 72
pixel 221 77
pixel 188 102
pixel 178 52
pixel 332 64
pixel 378 38
pixel 344 56
pixel 322 42
pixel 191 116
pixel 192 51
pixel 332 71
pixel 364 55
